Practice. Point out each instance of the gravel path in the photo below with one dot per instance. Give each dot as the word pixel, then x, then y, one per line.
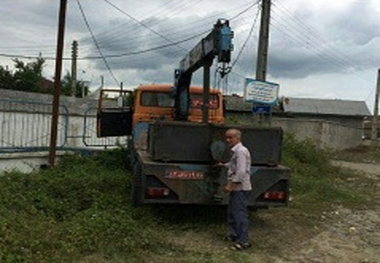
pixel 354 235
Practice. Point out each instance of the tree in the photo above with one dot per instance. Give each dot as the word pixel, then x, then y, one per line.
pixel 66 87
pixel 27 75
pixel 6 79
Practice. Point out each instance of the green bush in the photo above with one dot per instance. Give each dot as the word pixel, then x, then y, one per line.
pixel 79 208
pixel 304 156
pixel 314 180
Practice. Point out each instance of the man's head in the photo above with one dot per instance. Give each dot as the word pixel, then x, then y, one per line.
pixel 233 137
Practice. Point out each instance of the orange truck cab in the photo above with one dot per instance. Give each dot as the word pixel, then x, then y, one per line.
pixel 120 110
pixel 156 102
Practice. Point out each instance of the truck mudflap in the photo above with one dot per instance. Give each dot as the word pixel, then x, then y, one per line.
pixel 165 183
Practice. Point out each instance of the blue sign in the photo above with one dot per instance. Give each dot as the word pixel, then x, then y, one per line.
pixel 261 109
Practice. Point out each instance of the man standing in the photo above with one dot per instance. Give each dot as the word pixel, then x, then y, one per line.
pixel 239 187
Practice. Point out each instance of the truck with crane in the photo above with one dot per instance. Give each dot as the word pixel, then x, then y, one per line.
pixel 177 135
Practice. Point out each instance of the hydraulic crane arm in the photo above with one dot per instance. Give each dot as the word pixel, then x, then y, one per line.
pixel 217 43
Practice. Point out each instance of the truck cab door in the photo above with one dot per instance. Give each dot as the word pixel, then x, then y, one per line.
pixel 115 113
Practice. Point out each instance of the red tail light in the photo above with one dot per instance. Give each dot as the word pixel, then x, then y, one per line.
pixel 274 195
pixel 157 191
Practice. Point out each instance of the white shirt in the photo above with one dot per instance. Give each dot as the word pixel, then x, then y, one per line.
pixel 239 168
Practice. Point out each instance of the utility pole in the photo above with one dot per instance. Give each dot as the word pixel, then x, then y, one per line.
pixel 74 56
pixel 57 82
pixel 376 111
pixel 262 52
pixel 262 56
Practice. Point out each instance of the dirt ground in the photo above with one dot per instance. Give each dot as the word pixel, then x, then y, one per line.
pixel 351 235
pixel 342 235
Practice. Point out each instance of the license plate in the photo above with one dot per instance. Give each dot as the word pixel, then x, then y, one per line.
pixel 186 175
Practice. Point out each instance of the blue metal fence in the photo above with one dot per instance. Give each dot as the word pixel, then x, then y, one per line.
pixel 25 126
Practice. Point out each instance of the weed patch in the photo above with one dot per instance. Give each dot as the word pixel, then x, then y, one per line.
pixel 79 208
pixel 315 181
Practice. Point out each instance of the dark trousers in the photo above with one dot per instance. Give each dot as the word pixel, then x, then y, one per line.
pixel 238 216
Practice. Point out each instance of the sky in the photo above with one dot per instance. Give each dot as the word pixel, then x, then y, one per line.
pixel 317 49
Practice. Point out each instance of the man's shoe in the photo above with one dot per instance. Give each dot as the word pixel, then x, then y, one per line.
pixel 241 246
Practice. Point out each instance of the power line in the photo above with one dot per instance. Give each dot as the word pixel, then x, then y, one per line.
pixel 167 34
pixel 27 47
pixel 313 39
pixel 247 38
pixel 310 44
pixel 142 24
pixel 176 30
pixel 96 43
pixel 201 22
pixel 124 27
pixel 245 10
pixel 111 56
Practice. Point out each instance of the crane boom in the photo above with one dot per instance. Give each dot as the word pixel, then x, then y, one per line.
pixel 217 43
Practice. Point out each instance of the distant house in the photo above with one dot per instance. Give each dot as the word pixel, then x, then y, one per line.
pixel 332 123
pixel 346 112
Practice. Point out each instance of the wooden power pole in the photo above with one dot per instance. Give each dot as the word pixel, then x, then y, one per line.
pixel 376 110
pixel 74 56
pixel 262 56
pixel 57 82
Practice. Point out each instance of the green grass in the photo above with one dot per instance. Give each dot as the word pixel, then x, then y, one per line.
pixel 81 212
pixel 80 208
pixel 315 181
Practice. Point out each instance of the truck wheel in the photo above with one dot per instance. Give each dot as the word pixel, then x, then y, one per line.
pixel 136 193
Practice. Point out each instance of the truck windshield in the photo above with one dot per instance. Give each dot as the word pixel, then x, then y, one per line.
pixel 157 99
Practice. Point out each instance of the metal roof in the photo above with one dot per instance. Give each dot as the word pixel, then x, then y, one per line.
pixel 306 106
pixel 325 106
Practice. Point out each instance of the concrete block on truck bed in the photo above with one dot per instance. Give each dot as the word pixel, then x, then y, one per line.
pixel 180 142
pixel 192 142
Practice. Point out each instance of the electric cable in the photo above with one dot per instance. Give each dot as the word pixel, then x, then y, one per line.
pixel 123 54
pixel 170 31
pixel 318 40
pixel 96 43
pixel 245 10
pixel 312 38
pixel 142 24
pixel 112 56
pixel 311 46
pixel 247 38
